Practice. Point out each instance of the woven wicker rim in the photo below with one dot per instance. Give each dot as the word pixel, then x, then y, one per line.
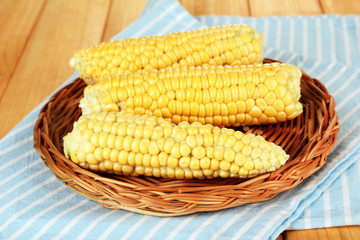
pixel 308 139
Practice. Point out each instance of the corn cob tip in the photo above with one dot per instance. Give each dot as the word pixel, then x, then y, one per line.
pixel 75 62
pixel 97 100
pixel 72 62
pixel 72 141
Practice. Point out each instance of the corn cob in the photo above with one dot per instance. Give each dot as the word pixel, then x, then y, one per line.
pixel 133 145
pixel 217 95
pixel 233 44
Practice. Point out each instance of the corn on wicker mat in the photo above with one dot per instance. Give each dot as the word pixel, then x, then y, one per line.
pixel 308 139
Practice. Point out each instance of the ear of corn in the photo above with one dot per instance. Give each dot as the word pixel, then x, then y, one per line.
pixel 217 95
pixel 232 45
pixel 133 145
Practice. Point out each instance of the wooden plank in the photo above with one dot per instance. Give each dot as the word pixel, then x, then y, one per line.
pixel 260 8
pixel 121 15
pixel 17 19
pixel 341 7
pixel 215 7
pixel 63 27
pixel 340 233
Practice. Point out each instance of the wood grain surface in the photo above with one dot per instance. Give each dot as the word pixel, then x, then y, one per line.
pixel 37 39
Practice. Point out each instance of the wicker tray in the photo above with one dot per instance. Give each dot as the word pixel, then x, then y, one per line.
pixel 308 139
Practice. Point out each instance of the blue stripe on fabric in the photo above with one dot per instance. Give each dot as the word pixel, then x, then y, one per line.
pixel 346 41
pixel 13 192
pixel 318 39
pixel 339 40
pixel 101 229
pixel 41 222
pixel 18 173
pixel 57 226
pixel 356 36
pixel 113 226
pixel 91 216
pixel 16 159
pixel 306 201
pixel 76 224
pixel 321 208
pixel 27 204
pixel 37 218
pixel 336 209
pixel 354 196
pixel 337 218
pixel 286 33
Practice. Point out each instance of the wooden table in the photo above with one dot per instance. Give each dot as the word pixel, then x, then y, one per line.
pixel 37 39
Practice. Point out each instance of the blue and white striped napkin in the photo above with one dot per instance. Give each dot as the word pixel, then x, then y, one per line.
pixel 35 205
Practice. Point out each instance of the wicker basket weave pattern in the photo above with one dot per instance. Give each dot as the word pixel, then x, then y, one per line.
pixel 308 139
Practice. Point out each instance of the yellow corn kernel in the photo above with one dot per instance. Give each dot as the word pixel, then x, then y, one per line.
pixel 198 152
pixel 224 165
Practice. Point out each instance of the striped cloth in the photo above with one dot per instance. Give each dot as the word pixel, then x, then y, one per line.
pixel 35 205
